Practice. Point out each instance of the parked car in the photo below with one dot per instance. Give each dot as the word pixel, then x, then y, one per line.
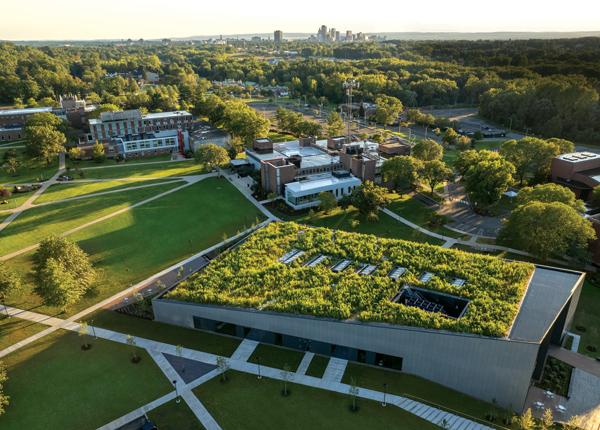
pixel 64 178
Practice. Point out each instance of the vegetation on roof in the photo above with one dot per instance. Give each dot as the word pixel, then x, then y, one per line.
pixel 252 276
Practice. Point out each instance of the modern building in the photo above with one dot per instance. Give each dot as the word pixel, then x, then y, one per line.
pixel 132 122
pixel 304 193
pixel 153 143
pixel 278 37
pixel 11 133
pixel 579 171
pixel 77 111
pixel 18 117
pixel 494 368
pixel 363 160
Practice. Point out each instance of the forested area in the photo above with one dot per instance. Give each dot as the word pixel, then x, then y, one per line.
pixel 546 87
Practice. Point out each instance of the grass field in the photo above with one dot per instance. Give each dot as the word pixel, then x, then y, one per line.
pixel 15 200
pixel 415 387
pixel 78 164
pixel 588 320
pixel 341 219
pixel 36 224
pixel 244 402
pixel 273 356
pixel 63 191
pixel 157 170
pixel 451 154
pixel 317 366
pixel 174 416
pixel 13 330
pixel 53 384
pixel 29 170
pixel 131 246
pixel 175 335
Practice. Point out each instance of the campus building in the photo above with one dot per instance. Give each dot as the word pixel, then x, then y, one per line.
pixel 579 171
pixel 132 122
pixel 304 193
pixel 153 143
pixel 12 121
pixel 495 368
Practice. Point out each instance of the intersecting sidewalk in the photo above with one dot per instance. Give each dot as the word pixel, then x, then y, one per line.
pixel 303 366
pixel 335 369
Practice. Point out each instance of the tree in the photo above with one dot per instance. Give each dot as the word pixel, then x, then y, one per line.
pixel 463 143
pixel 5 193
pixel 428 150
pixel 401 172
pixel 549 193
pixel 44 142
pixel 179 351
pixel 450 136
pixel 573 423
pixel 368 197
pixel 526 421
pixel 212 156
pixel 46 119
pixel 98 152
pixel 327 201
pixel 388 109
pixel 434 173
pixel 353 391
pixel 63 272
pixel 530 156
pixel 12 165
pixel 135 358
pixel 595 197
pixel 75 153
pixel 223 366
pixel 487 178
pixel 84 332
pixel 10 283
pixel 546 229
pixel 335 125
pixel 547 420
pixel 3 397
pixel 286 375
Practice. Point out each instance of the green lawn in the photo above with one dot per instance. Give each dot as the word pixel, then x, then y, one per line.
pixel 53 384
pixel 78 164
pixel 244 402
pixel 317 366
pixel 586 321
pixel 341 219
pixel 132 246
pixel 418 388
pixel 16 200
pixel 188 338
pixel 158 170
pixel 273 356
pixel 174 416
pixel 417 212
pixel 63 191
pixel 451 154
pixel 36 224
pixel 29 170
pixel 13 330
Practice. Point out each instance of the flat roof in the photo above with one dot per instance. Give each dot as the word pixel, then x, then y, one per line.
pixel 578 157
pixel 548 291
pixel 318 183
pixel 158 115
pixel 6 112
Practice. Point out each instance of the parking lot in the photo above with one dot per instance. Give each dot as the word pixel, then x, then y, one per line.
pixel 202 132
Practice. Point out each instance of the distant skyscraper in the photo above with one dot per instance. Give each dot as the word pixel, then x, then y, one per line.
pixel 349 35
pixel 322 35
pixel 278 37
pixel 337 36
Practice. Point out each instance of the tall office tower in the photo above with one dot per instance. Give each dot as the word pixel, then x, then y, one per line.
pixel 278 37
pixel 348 35
pixel 337 36
pixel 322 35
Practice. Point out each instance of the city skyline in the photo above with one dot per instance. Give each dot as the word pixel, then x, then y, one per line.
pixel 76 23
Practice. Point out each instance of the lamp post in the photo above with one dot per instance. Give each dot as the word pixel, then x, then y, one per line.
pixel 177 399
pixel 384 404
pixel 349 86
pixel 258 364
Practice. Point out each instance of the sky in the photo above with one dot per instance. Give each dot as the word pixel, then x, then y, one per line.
pixel 152 19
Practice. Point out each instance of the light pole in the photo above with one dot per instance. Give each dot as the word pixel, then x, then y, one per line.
pixel 349 86
pixel 384 404
pixel 177 399
pixel 258 364
pixel 93 329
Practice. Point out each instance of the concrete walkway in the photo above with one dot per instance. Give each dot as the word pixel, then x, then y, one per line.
pixel 335 370
pixel 244 350
pixel 303 366
pixel 232 178
pixel 580 361
pixel 105 217
pixel 428 413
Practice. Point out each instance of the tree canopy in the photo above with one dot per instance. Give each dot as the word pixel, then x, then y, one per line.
pixel 368 197
pixel 486 177
pixel 401 172
pixel 428 150
pixel 212 156
pixel 388 109
pixel 434 172
pixel 549 193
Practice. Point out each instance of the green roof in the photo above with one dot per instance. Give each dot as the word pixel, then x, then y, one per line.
pixel 252 276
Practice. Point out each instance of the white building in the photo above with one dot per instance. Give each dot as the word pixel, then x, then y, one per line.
pixel 304 193
pixel 161 142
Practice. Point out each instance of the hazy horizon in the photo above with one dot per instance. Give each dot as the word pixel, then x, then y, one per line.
pixel 150 19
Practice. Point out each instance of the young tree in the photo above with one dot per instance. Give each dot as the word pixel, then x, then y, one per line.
pixel 368 197
pixel 401 172
pixel 84 332
pixel 75 153
pixel 63 272
pixel 286 375
pixel 546 229
pixel 526 421
pixel 547 420
pixel 327 201
pixel 463 143
pixel 487 179
pixel 428 150
pixel 434 173
pixel 335 125
pixel 12 165
pixel 450 136
pixel 223 366
pixel 135 358
pixel 353 391
pixel 179 352
pixel 212 156
pixel 573 423
pixel 549 193
pixel 3 397
pixel 10 282
pixel 98 152
pixel 388 109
